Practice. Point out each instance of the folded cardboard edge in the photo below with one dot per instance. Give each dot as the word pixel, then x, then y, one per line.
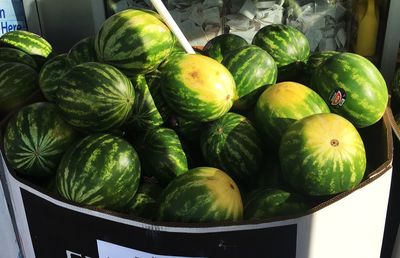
pixel 374 175
pixel 392 111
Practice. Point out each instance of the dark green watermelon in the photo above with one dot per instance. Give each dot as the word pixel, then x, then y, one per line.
pixel 287 45
pixel 352 87
pixel 95 97
pixel 252 68
pixel 35 139
pixel 101 170
pixel 266 203
pixel 145 114
pixel 161 154
pixel 232 144
pixel 8 54
pixel 51 74
pixel 220 46
pixel 83 51
pixel 18 81
pixel 133 40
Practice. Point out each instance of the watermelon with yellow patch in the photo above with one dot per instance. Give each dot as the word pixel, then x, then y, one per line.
pixel 203 194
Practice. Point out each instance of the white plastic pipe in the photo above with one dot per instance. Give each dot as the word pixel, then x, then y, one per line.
pixel 164 13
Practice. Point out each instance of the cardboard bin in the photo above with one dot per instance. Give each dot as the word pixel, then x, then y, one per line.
pixel 349 225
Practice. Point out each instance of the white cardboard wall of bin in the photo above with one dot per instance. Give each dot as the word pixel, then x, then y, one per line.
pixel 351 225
pixel 8 243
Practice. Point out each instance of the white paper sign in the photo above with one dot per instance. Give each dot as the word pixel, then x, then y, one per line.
pixel 12 16
pixel 109 250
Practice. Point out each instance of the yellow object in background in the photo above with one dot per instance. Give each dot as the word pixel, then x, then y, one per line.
pixel 368 20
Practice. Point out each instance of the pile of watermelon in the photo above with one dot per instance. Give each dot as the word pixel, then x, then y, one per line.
pixel 129 122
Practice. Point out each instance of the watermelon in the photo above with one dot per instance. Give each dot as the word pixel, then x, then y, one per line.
pixel 36 138
pixel 95 97
pixel 17 82
pixel 101 170
pixel 27 41
pixel 155 83
pixel 265 202
pixel 251 67
pixel 161 154
pixel 203 194
pixel 220 46
pixel 145 114
pixel 352 87
pixel 232 144
pixel 82 52
pixel 313 62
pixel 188 129
pixel 51 74
pixel 197 87
pixel 287 45
pixel 135 41
pixel 322 154
pixel 282 104
pixel 145 202
pixel 14 55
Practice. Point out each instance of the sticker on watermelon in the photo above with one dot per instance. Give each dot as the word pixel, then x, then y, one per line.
pixel 337 98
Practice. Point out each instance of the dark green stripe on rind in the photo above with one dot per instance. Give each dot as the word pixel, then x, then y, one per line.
pixel 251 67
pixel 28 42
pixel 17 82
pixel 197 87
pixel 51 74
pixel 36 138
pixel 201 195
pixel 284 43
pixel 101 170
pixel 134 40
pixel 161 153
pixel 15 55
pixel 232 144
pixel 322 154
pixel 82 52
pixel 145 114
pixel 365 88
pixel 95 97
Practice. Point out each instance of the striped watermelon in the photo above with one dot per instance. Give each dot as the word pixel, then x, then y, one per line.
pixel 282 104
pixel 82 52
pixel 203 194
pixel 51 74
pixel 352 87
pixel 14 55
pixel 145 202
pixel 197 87
pixel 287 45
pixel 145 114
pixel 32 44
pixel 155 83
pixel 161 154
pixel 313 62
pixel 35 139
pixel 17 82
pixel 251 67
pixel 267 202
pixel 95 97
pixel 219 46
pixel 101 170
pixel 232 144
pixel 188 129
pixel 134 41
pixel 322 154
